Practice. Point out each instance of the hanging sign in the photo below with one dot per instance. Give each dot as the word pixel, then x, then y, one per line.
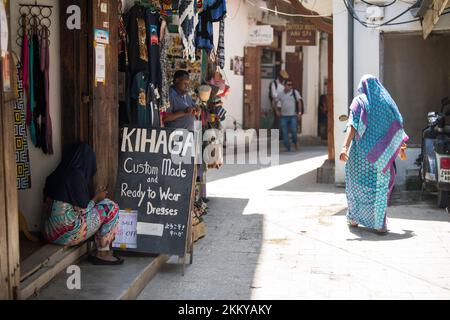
pixel 100 63
pixel 4 33
pixel 261 35
pixel 155 179
pixel 301 34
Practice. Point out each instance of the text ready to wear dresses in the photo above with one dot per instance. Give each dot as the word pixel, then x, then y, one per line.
pixel 73 216
pixel 370 174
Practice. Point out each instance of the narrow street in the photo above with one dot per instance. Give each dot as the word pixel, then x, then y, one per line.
pixel 273 233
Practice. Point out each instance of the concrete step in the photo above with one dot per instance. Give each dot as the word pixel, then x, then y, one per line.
pixel 124 282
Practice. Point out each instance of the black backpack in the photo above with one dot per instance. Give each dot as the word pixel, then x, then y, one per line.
pixel 270 89
pixel 297 106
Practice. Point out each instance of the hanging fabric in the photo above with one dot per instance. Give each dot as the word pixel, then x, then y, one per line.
pixel 47 141
pixel 186 12
pixel 144 107
pixel 153 33
pixel 221 46
pixel 136 40
pixel 165 84
pixel 20 134
pixel 31 100
pixel 214 11
pixel 39 94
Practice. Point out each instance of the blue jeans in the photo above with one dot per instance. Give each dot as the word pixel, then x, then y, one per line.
pixel 289 124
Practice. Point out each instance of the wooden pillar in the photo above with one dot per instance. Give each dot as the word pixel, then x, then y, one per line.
pixel 331 147
pixel 104 112
pixel 9 214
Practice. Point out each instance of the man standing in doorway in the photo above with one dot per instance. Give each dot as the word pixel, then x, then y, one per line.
pixel 183 110
pixel 277 87
pixel 290 108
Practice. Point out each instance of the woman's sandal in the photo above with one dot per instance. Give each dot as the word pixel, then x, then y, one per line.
pixel 382 231
pixel 352 224
pixel 101 262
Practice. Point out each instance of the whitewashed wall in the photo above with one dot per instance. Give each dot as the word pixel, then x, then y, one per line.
pixel 367 60
pixel 311 84
pixel 236 33
pixel 30 201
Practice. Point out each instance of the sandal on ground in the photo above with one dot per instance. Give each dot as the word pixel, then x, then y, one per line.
pixel 383 230
pixel 352 223
pixel 101 262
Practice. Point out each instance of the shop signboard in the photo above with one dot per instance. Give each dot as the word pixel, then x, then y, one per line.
pixel 154 189
pixel 261 35
pixel 301 34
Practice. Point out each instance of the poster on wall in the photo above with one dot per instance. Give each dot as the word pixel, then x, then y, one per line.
pixel 238 65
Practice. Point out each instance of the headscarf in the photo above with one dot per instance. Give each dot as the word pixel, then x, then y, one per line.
pixel 71 180
pixel 378 123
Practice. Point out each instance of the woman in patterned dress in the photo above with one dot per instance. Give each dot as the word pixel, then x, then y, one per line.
pixel 375 132
pixel 74 216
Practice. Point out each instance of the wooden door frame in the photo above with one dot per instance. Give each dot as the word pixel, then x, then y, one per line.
pixel 252 114
pixel 9 211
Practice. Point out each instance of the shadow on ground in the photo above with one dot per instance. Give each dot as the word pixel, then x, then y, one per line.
pixel 228 254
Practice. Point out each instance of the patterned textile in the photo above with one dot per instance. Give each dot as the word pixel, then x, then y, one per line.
pixel 20 136
pixel 221 46
pixel 69 226
pixel 186 12
pixel 370 175
pixel 165 100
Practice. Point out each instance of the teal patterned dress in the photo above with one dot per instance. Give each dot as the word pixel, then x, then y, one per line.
pixel 370 174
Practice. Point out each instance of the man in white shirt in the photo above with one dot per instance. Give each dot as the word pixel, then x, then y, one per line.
pixel 290 105
pixel 277 87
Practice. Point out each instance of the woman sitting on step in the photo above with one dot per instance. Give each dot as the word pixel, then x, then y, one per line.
pixel 73 216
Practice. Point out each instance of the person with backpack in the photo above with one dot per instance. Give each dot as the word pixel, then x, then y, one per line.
pixel 289 109
pixel 277 87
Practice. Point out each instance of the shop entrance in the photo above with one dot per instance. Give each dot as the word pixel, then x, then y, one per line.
pixel 416 82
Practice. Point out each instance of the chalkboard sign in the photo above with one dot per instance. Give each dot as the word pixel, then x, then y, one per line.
pixel 155 181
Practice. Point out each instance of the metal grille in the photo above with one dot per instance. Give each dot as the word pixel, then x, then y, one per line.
pixel 34 18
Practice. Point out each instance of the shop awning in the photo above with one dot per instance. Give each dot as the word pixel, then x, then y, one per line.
pixel 432 15
pixel 322 18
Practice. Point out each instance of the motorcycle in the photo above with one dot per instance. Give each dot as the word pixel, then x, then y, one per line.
pixel 434 161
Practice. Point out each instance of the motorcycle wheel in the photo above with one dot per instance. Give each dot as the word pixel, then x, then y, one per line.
pixel 442 198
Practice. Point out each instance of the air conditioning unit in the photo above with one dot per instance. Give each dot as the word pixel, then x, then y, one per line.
pixel 374 13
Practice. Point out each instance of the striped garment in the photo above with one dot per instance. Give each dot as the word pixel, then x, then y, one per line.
pixel 370 173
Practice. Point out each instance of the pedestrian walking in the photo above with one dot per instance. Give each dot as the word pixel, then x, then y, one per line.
pixel 375 131
pixel 289 110
pixel 277 87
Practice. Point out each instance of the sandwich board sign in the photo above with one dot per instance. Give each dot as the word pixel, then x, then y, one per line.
pixel 155 190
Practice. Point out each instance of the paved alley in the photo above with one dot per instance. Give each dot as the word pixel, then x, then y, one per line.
pixel 273 233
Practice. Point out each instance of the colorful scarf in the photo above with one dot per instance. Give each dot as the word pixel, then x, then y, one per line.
pixel 221 46
pixel 186 12
pixel 374 114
